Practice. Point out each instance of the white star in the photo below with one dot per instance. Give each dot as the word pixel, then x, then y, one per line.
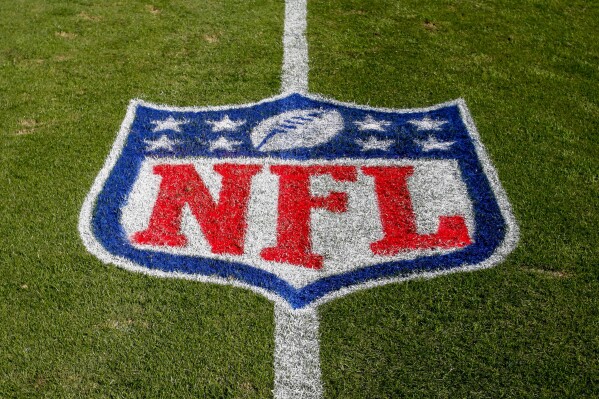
pixel 374 144
pixel 427 123
pixel 223 143
pixel 225 124
pixel 168 124
pixel 433 144
pixel 162 143
pixel 369 123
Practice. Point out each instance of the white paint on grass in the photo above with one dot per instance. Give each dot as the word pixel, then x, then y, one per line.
pixel 297 354
pixel 369 123
pixel 427 123
pixel 162 143
pixel 431 143
pixel 300 128
pixel 168 124
pixel 294 76
pixel 223 143
pixel 226 124
pixel 373 143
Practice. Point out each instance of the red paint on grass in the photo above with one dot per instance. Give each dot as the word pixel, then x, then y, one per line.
pixel 223 223
pixel 295 205
pixel 399 221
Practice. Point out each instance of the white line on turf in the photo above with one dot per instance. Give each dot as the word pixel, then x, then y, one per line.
pixel 297 341
pixel 297 354
pixel 294 76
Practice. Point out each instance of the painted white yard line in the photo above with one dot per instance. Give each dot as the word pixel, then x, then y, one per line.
pixel 297 332
pixel 297 354
pixel 294 76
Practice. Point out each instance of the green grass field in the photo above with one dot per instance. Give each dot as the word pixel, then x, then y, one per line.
pixel 72 327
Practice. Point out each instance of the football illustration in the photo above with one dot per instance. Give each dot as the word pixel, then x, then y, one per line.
pixel 297 129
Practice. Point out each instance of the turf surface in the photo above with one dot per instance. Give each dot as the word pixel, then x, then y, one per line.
pixel 73 327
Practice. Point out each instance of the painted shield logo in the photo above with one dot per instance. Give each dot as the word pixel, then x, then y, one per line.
pixel 298 197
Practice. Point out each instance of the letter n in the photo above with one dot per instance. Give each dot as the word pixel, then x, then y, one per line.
pixel 223 223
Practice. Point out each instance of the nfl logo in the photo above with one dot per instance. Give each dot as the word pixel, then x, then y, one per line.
pixel 298 197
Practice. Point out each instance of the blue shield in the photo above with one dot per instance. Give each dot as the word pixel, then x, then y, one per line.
pixel 297 197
